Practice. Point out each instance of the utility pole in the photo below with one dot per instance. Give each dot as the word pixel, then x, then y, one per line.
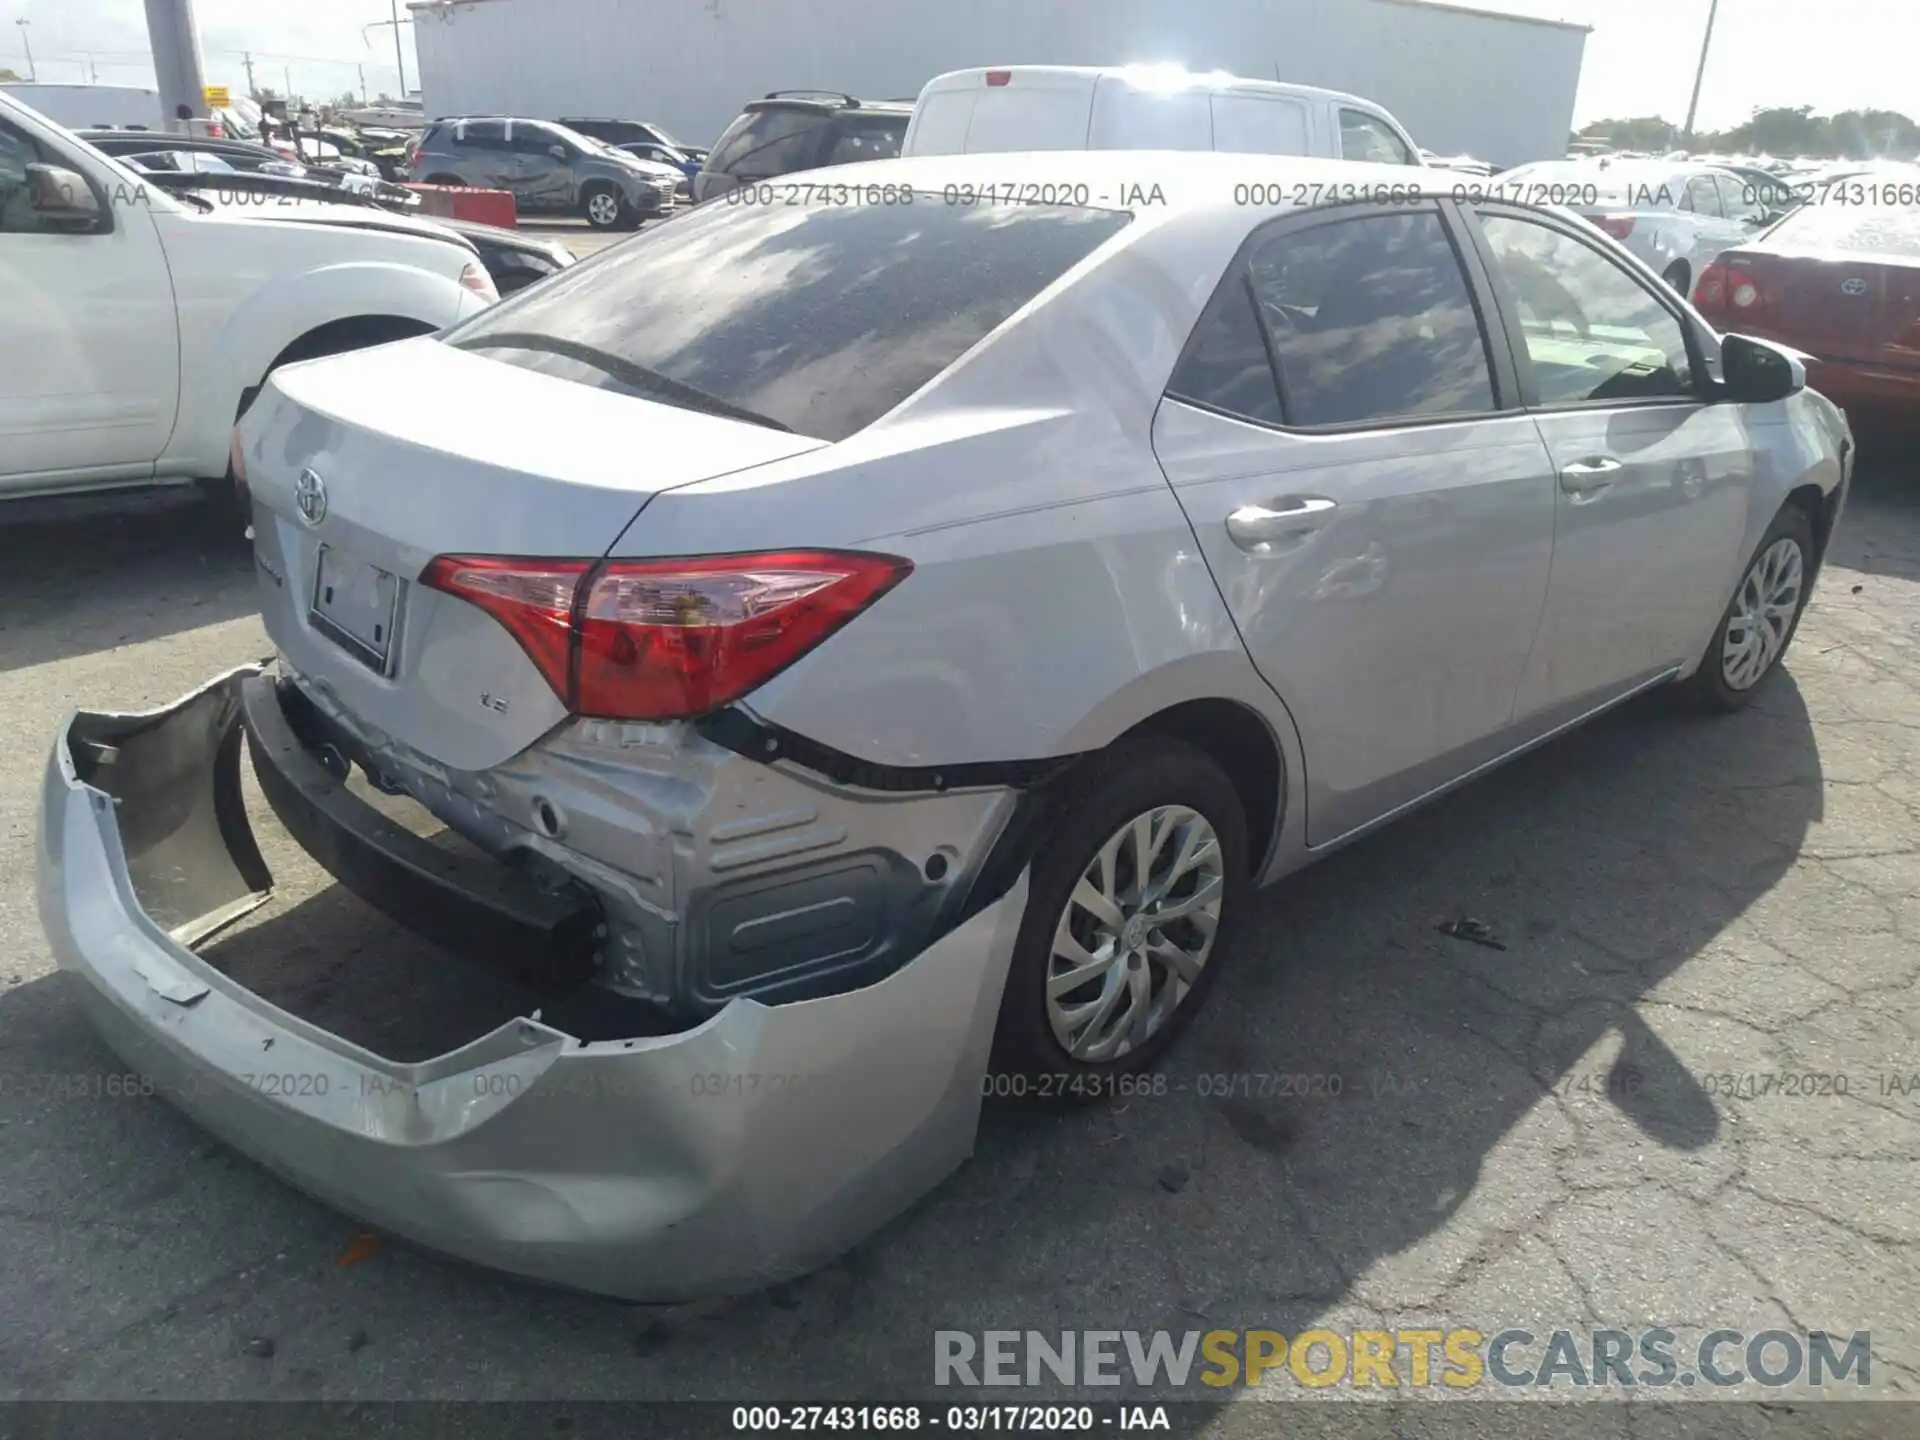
pixel 286 74
pixel 182 81
pixel 253 91
pixel 1706 42
pixel 400 60
pixel 93 72
pixel 32 74
pixel 363 82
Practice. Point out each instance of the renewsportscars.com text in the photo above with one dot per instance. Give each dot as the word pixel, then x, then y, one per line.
pixel 1457 1359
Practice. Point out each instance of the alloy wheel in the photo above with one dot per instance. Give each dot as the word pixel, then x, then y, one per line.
pixel 1764 608
pixel 1135 934
pixel 603 208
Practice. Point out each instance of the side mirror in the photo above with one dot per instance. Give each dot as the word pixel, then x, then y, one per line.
pixel 62 199
pixel 1756 373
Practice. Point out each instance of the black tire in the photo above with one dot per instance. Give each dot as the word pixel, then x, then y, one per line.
pixel 1708 690
pixel 1130 779
pixel 1678 276
pixel 621 216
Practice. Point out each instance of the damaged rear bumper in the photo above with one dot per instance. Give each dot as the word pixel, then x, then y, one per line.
pixel 757 1146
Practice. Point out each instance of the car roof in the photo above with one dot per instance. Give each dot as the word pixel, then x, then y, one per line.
pixel 1151 77
pixel 1633 168
pixel 1151 181
pixel 826 102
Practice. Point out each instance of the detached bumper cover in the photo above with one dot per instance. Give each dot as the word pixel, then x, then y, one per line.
pixel 756 1147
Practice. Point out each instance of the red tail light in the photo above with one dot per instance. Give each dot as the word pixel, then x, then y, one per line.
pixel 1618 226
pixel 667 639
pixel 1727 287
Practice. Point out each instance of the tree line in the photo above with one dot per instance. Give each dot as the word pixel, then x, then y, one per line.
pixel 1783 130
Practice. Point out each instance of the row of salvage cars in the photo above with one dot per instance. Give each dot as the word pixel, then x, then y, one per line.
pixel 860 645
pixel 238 173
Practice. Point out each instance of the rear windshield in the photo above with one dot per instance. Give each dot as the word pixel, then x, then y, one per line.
pixel 1889 231
pixel 812 318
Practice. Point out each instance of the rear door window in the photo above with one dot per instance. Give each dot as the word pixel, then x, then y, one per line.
pixel 1366 319
pixel 1226 365
pixel 488 135
pixel 1702 197
pixel 1255 125
pixel 818 319
pixel 534 140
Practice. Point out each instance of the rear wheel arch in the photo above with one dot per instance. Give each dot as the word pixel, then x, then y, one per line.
pixel 336 337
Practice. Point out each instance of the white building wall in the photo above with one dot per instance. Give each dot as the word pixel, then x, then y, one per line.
pixel 1496 87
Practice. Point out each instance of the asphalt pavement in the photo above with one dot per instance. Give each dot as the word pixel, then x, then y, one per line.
pixel 1553 1134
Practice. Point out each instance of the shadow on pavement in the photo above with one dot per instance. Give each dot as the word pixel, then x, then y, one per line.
pixel 90 573
pixel 1880 532
pixel 1328 1119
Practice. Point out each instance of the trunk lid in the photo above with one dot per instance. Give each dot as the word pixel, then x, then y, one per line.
pixel 364 467
pixel 1839 305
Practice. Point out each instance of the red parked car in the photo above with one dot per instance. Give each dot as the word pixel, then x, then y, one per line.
pixel 1841 283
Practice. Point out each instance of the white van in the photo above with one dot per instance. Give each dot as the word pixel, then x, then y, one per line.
pixel 1146 107
pixel 92 107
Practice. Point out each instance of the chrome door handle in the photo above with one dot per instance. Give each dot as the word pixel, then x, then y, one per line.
pixel 1253 526
pixel 1584 477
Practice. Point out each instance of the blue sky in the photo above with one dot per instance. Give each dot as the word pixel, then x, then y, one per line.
pixel 1831 54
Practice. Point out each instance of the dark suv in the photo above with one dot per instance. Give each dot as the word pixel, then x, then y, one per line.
pixel 793 130
pixel 623 133
pixel 547 167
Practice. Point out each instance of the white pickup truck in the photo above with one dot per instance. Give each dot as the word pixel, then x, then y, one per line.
pixel 135 326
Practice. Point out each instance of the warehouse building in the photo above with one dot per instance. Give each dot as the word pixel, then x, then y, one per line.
pixel 1461 80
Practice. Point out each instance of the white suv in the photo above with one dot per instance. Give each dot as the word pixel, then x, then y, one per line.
pixel 138 325
pixel 1147 107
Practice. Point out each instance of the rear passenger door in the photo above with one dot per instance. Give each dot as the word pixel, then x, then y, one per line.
pixel 485 158
pixel 1652 481
pixel 542 180
pixel 1374 505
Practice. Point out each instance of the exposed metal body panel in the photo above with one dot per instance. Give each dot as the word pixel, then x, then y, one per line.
pixel 689 64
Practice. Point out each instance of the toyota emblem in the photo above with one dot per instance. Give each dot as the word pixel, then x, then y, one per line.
pixel 310 495
pixel 1855 286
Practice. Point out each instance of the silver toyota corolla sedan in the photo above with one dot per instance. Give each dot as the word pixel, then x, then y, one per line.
pixel 883 636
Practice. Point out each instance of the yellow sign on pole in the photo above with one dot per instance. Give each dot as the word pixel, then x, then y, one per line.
pixel 218 97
